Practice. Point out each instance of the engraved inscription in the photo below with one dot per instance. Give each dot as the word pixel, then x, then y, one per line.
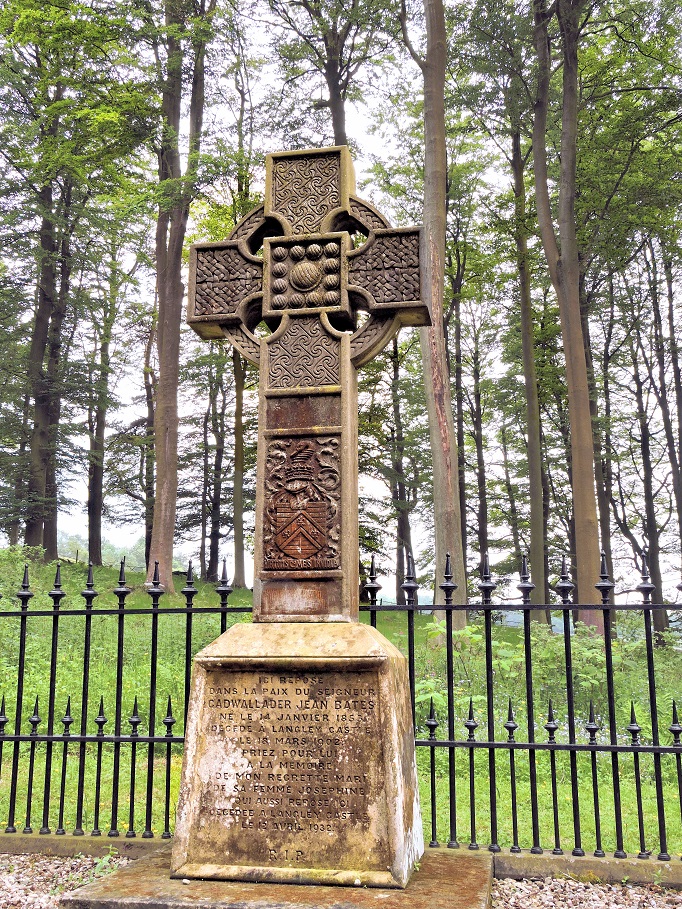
pixel 305 356
pixel 305 753
pixel 302 512
pixel 223 279
pixel 388 268
pixel 305 188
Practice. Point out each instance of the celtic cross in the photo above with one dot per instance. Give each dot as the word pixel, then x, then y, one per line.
pixel 292 264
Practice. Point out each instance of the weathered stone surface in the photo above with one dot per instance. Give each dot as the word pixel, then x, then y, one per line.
pixel 299 764
pixel 447 879
pixel 307 287
pixel 299 758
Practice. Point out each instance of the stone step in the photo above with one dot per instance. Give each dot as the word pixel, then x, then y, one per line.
pixel 446 879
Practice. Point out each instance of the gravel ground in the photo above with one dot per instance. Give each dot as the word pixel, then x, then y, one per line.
pixel 565 894
pixel 36 881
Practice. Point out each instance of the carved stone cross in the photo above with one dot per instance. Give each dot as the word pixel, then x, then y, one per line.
pixel 307 286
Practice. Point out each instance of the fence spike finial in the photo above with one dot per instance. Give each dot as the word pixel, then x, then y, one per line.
pixel 470 723
pixel 67 719
pixel 675 728
pixel 410 585
pixel 525 585
pixel 448 586
pixel 511 725
pixel 169 719
pixel 551 725
pixel 633 727
pixel 372 586
pixel 223 589
pixel 100 719
pixel 645 587
pixel 565 586
pixel 486 585
pixel 431 721
pixel 592 726
pixel 604 585
pixel 122 574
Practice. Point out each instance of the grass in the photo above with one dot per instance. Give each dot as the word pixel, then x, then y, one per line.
pixel 469 668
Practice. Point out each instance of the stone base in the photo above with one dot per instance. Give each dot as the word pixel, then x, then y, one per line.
pixel 299 762
pixel 447 879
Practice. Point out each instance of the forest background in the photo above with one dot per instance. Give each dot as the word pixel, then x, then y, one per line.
pixel 540 145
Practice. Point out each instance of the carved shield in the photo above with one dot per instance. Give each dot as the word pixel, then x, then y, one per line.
pixel 301 532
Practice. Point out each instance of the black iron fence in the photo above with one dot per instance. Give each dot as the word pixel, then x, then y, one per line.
pixel 581 747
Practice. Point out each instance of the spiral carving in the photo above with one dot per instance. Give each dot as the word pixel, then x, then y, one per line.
pixel 305 189
pixel 304 356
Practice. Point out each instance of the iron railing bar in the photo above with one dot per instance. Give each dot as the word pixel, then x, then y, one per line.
pixel 547 746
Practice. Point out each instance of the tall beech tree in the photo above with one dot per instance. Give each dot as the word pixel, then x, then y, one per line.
pixel 180 47
pixel 331 39
pixel 561 253
pixel 72 114
pixel 446 500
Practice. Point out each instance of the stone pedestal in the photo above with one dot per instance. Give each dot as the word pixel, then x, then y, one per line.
pixel 299 763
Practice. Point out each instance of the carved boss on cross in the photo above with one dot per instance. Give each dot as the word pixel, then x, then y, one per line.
pixel 307 287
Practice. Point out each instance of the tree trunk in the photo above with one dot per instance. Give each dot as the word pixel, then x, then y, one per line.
pixel 673 350
pixel 217 405
pixel 563 265
pixel 205 494
pixel 399 496
pixel 54 386
pixel 477 425
pixel 148 454
pixel 459 410
pixel 513 510
pixel 537 523
pixel 337 103
pixel 600 479
pixel 239 366
pixel 47 292
pixel 660 388
pixel 170 235
pixel 650 524
pixel 447 517
pixel 96 466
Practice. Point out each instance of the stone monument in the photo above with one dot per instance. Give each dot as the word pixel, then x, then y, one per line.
pixel 299 761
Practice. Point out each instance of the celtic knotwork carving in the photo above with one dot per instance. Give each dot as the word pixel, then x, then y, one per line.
pixel 305 188
pixel 366 215
pixel 248 224
pixel 377 329
pixel 388 267
pixel 247 346
pixel 304 355
pixel 302 525
pixel 224 278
